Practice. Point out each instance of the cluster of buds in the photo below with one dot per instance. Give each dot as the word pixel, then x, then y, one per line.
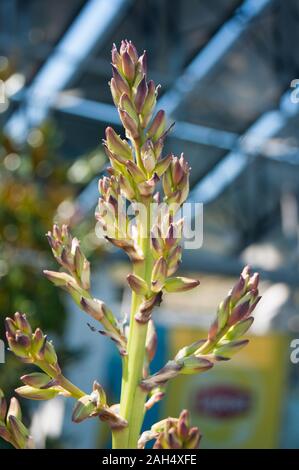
pixel 111 214
pixel 76 282
pixel 176 181
pixel 172 433
pixel 224 338
pixel 95 404
pixel 42 386
pixel 66 249
pixel 30 347
pixel 12 429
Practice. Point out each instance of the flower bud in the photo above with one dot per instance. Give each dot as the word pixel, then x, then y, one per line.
pixel 228 349
pixel 137 284
pixel 22 323
pixel 120 83
pixel 141 94
pixel 19 432
pixel 149 103
pixel 37 393
pixel 128 67
pixel 157 127
pixel 129 124
pixel 93 307
pixel 126 188
pixel 84 408
pixel 14 409
pixel 238 330
pixel 36 379
pixel 116 94
pixel 38 340
pixel 136 173
pixel 59 279
pixel 194 365
pixel 117 145
pixel 3 406
pixel 163 165
pixel 180 284
pixel 159 274
pixel 148 156
pixel 126 105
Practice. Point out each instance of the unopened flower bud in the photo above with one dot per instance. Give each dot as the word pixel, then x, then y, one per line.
pixel 128 67
pixel 120 83
pixel 137 284
pixel 162 165
pixel 148 156
pixel 180 284
pixel 14 409
pixel 36 379
pixel 126 105
pixel 141 94
pixel 37 393
pixel 157 127
pixel 238 330
pixel 159 274
pixel 117 145
pixel 3 406
pixel 194 365
pixel 22 323
pixel 230 348
pixel 84 408
pixel 129 124
pixel 19 432
pixel 58 278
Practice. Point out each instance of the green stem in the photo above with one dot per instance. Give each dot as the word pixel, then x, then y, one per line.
pixel 132 397
pixel 75 391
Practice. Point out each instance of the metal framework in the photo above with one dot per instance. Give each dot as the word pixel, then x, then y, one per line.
pixel 96 19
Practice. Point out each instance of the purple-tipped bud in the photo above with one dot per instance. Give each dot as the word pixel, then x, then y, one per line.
pixel 120 84
pixel 159 274
pixel 180 284
pixel 163 165
pixel 36 393
pixel 137 284
pixel 85 408
pixel 194 365
pixel 158 126
pixel 129 124
pixel 141 94
pixel 14 409
pixel 238 330
pixel 126 105
pixel 36 379
pixel 22 323
pixel 116 145
pixel 136 173
pixel 229 349
pixel 128 67
pixel 148 156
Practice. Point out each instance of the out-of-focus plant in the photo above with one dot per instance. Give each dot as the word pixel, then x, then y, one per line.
pixel 153 245
pixel 35 183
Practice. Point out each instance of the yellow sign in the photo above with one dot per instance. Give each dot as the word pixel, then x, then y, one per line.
pixel 237 404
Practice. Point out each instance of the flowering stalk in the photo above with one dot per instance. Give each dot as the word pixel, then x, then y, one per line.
pixel 152 242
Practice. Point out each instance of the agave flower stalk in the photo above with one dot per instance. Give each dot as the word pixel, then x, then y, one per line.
pixel 152 242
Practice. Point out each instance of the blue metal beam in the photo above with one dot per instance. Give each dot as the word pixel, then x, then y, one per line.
pixel 252 144
pixel 89 29
pixel 211 55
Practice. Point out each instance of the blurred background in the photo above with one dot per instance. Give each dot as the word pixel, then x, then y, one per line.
pixel 228 72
